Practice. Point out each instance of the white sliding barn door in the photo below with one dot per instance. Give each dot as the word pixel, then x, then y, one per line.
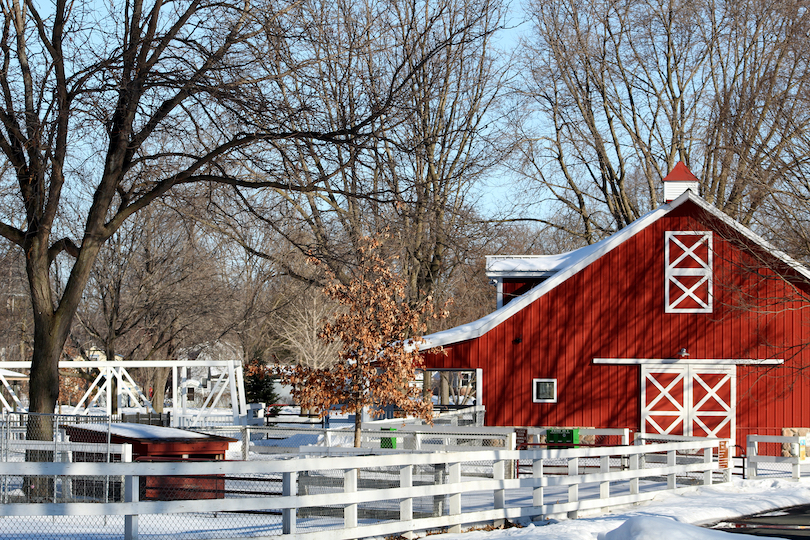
pixel 697 400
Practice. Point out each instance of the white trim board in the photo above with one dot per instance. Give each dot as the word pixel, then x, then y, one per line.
pixel 700 361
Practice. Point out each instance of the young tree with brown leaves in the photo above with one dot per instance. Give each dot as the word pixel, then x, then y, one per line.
pixel 375 328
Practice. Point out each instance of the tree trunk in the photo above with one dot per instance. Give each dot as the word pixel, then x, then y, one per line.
pixel 358 433
pixel 109 353
pixel 44 388
pixel 158 383
pixel 358 422
pixel 445 389
pixel 52 323
pixel 43 397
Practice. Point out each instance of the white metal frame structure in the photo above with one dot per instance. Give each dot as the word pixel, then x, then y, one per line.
pixel 5 377
pixel 231 377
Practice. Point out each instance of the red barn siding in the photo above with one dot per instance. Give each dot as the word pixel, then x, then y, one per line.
pixel 514 287
pixel 614 308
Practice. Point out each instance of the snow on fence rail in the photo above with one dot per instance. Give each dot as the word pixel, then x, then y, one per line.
pixel 358 496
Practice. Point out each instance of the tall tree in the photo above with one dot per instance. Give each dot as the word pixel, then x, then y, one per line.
pixel 616 93
pixel 107 107
pixel 425 168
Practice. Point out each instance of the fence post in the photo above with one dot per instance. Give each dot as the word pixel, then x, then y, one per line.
pixel 439 477
pixel 245 443
pixel 454 504
pixel 573 489
pixel 707 459
pixel 604 487
pixel 510 443
pixel 288 489
pixel 537 472
pixel 634 481
pixel 350 510
pixel 406 481
pixel 131 494
pixel 671 462
pixel 751 455
pixel 797 468
pixel 499 495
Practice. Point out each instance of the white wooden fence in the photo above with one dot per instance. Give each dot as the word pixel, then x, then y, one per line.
pixel 458 489
pixel 768 464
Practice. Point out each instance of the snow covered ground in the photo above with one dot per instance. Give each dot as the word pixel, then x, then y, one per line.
pixel 668 517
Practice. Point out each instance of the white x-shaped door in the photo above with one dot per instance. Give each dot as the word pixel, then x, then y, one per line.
pixel 697 400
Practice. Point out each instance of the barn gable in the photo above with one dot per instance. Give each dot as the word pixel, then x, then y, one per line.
pixel 684 305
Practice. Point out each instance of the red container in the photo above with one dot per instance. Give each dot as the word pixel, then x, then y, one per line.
pixel 157 443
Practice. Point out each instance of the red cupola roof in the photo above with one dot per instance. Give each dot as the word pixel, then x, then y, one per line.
pixel 679 179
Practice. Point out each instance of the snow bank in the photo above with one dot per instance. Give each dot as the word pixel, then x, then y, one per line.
pixel 669 516
pixel 653 528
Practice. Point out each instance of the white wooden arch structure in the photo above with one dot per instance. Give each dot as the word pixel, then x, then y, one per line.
pixel 230 376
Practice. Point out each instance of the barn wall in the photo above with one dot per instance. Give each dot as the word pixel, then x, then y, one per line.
pixel 614 308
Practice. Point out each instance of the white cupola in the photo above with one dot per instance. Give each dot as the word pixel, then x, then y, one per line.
pixel 679 179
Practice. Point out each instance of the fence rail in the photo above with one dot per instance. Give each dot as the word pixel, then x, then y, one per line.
pixel 395 436
pixel 767 454
pixel 362 496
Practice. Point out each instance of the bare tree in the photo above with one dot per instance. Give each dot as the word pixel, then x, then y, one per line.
pixel 108 107
pixel 294 329
pixel 15 306
pixel 157 284
pixel 617 93
pixel 423 168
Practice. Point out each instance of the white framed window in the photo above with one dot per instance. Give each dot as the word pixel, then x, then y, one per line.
pixel 688 272
pixel 544 390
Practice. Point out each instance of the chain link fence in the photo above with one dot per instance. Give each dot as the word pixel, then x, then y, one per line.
pixel 42 438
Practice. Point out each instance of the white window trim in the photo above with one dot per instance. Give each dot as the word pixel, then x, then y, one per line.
pixel 675 292
pixel 535 399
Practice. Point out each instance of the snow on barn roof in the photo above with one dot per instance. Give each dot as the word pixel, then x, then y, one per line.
pixel 567 264
pixel 509 265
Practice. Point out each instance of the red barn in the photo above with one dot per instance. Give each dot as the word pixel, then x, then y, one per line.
pixel 685 322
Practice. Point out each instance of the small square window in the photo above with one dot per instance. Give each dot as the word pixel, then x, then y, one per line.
pixel 544 390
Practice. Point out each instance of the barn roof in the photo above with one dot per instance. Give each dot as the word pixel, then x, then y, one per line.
pixel 567 264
